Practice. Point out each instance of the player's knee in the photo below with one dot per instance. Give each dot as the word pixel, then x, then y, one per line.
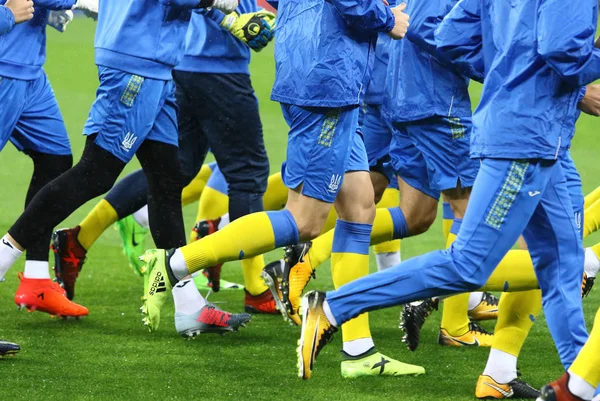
pixel 419 221
pixel 308 230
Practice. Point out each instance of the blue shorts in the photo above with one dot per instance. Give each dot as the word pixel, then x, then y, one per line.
pixel 409 164
pixel 444 143
pixel 574 188
pixel 30 118
pixel 130 109
pixel 323 144
pixel 377 135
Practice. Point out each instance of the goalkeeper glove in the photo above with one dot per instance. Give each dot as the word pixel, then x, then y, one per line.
pixel 254 29
pixel 89 8
pixel 60 19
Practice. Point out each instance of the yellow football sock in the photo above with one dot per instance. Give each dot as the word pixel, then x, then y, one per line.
pixel 591 198
pixel 390 198
pixel 591 218
pixel 252 268
pixel 191 193
pixel 247 236
pixel 330 222
pixel 516 313
pixel 596 250
pixel 447 219
pixel 347 267
pixel 514 273
pixel 276 195
pixel 383 231
pixel 213 204
pixel 587 363
pixel 455 315
pixel 102 216
pixel 320 250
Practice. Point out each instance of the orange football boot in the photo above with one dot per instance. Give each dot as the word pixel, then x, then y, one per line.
pixel 45 295
pixel 262 303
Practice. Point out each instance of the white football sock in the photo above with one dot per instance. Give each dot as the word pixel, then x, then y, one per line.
pixel 178 265
pixel 475 299
pixel 358 346
pixel 329 314
pixel 591 263
pixel 501 366
pixel 141 217
pixel 579 387
pixel 8 255
pixel 386 260
pixel 224 221
pixel 187 297
pixel 36 269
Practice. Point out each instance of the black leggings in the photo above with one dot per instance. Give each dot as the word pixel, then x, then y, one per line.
pixel 46 167
pixel 94 175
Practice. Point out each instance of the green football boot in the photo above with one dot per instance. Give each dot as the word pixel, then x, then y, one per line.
pixel 134 242
pixel 376 364
pixel 157 286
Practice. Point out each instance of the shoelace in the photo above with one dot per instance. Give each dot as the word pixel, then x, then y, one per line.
pixel 490 299
pixel 478 329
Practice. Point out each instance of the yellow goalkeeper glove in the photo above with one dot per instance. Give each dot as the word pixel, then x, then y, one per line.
pixel 254 29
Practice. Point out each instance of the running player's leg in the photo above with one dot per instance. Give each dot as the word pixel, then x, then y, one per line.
pixel 498 213
pixel 32 120
pixel 583 377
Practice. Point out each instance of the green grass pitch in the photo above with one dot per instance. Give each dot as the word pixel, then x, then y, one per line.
pixel 111 356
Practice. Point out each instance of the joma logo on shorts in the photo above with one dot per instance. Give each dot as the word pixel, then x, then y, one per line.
pixel 128 142
pixel 334 183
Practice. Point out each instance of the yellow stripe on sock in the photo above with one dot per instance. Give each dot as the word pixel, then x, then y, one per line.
pixel 591 198
pixel 102 216
pixel 276 194
pixel 587 363
pixel 446 226
pixel 455 316
pixel 591 218
pixel 390 198
pixel 514 273
pixel 383 231
pixel 517 312
pixel 247 236
pixel 320 250
pixel 252 268
pixel 191 193
pixel 213 204
pixel 347 267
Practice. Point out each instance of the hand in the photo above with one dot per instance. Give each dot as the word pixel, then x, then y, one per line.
pixel 22 9
pixel 89 8
pixel 590 104
pixel 227 6
pixel 254 29
pixel 402 24
pixel 60 19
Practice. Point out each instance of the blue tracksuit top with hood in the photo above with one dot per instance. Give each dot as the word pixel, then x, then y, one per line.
pixel 534 57
pixel 419 86
pixel 324 50
pixel 23 49
pixel 142 37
